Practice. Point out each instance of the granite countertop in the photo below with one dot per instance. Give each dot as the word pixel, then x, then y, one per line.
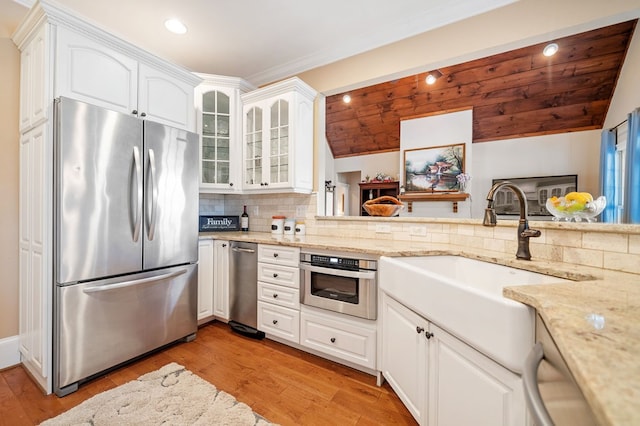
pixel 594 320
pixel 596 326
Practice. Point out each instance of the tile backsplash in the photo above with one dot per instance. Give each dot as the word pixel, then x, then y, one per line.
pixel 261 207
pixel 615 247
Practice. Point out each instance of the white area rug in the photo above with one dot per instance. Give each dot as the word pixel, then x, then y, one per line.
pixel 171 395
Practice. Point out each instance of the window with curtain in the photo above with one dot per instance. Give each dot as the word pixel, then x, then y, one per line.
pixel 620 168
pixel 620 171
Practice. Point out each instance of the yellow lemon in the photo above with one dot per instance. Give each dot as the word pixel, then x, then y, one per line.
pixel 579 197
pixel 587 196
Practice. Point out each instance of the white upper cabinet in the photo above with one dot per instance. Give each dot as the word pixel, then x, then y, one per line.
pixel 165 99
pixel 90 71
pixel 34 90
pixel 62 55
pixel 278 138
pixel 218 116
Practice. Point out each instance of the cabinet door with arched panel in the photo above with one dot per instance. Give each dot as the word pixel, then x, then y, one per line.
pixel 278 137
pixel 253 147
pixel 219 125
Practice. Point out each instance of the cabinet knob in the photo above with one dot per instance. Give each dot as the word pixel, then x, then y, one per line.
pixel 428 335
pixel 419 329
pixel 261 183
pixel 134 112
pixel 275 322
pixel 275 254
pixel 275 295
pixel 144 114
pixel 230 183
pixel 333 340
pixel 224 245
pixel 275 275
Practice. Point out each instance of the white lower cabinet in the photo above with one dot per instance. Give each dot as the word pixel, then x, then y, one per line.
pixel 442 380
pixel 405 355
pixel 205 279
pixel 279 321
pixel 460 376
pixel 35 262
pixel 221 279
pixel 279 292
pixel 341 336
pixel 279 295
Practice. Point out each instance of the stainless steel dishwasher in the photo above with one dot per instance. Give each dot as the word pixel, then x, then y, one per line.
pixel 243 289
pixel 552 394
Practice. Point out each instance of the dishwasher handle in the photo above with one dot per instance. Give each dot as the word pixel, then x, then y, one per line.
pixel 243 250
pixel 531 391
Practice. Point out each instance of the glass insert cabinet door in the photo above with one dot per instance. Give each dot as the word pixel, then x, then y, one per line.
pixel 279 142
pixel 253 147
pixel 216 156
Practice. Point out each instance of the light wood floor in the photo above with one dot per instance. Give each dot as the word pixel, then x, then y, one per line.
pixel 284 385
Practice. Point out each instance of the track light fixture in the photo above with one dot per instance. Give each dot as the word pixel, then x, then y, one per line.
pixel 433 76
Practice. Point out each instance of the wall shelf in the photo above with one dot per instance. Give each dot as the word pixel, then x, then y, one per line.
pixel 433 196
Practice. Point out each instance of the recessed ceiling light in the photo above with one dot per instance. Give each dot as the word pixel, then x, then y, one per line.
pixel 433 76
pixel 175 26
pixel 550 49
pixel 346 99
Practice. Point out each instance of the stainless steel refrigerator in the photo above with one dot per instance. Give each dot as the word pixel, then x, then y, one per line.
pixel 126 239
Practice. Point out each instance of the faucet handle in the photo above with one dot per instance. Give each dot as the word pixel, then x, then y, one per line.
pixel 528 233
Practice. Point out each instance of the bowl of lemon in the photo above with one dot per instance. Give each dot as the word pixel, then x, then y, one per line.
pixel 576 207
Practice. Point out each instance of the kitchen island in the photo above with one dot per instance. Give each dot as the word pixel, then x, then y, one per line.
pixel 603 360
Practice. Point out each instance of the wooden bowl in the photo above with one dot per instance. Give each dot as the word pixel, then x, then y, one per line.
pixel 383 206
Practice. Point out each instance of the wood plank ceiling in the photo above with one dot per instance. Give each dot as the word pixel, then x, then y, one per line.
pixel 513 94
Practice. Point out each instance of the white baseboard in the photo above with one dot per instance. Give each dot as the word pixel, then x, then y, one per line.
pixel 9 351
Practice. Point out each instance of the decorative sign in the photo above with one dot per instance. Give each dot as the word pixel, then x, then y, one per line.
pixel 219 223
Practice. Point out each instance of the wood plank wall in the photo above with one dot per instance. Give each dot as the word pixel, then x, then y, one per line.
pixel 513 94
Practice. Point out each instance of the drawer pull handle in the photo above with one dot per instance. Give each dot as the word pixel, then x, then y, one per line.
pixel 333 340
pixel 275 275
pixel 275 295
pixel 275 322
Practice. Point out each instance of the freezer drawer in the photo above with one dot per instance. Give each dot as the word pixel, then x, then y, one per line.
pixel 104 323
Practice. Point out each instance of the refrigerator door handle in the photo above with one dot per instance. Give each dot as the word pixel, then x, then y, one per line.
pixel 154 195
pixel 138 191
pixel 131 283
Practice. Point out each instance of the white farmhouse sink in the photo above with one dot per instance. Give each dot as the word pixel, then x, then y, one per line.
pixel 464 296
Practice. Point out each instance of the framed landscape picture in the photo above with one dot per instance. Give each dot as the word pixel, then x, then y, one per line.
pixel 433 169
